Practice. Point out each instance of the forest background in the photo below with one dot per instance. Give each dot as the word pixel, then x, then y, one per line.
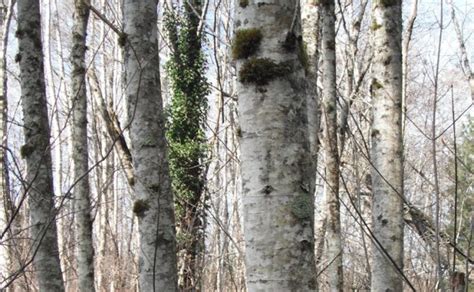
pixel 197 60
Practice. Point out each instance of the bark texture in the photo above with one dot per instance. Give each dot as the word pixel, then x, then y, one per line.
pixel 154 204
pixel 310 53
pixel 5 198
pixel 80 154
pixel 36 150
pixel 334 245
pixel 387 175
pixel 275 162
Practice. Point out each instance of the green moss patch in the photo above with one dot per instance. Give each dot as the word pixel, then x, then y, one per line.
pixel 376 84
pixel 243 3
pixel 246 43
pixel 388 3
pixel 26 150
pixel 140 207
pixel 261 71
pixel 302 206
pixel 303 55
pixel 374 26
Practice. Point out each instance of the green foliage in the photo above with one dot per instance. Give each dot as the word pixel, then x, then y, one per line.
pixel 465 178
pixel 246 43
pixel 261 71
pixel 187 111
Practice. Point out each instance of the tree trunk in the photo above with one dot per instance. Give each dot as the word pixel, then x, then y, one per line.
pixel 387 175
pixel 5 198
pixel 36 150
pixel 80 154
pixel 275 159
pixel 328 44
pixel 154 204
pixel 310 29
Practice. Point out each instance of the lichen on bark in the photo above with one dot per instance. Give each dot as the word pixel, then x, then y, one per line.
pixel 302 206
pixel 37 153
pixel 275 152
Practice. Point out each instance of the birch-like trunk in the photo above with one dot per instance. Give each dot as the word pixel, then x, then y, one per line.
pixel 333 232
pixel 310 28
pixel 154 204
pixel 387 174
pixel 80 154
pixel 7 253
pixel 36 150
pixel 275 158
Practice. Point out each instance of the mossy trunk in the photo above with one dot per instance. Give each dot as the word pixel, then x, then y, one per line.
pixel 275 160
pixel 154 205
pixel 80 154
pixel 37 150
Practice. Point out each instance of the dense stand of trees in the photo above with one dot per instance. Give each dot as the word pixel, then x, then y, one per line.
pixel 236 145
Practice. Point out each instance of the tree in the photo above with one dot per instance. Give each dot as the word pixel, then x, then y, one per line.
pixel 36 150
pixel 328 52
pixel 275 160
pixel 154 204
pixel 386 152
pixel 309 55
pixel 187 116
pixel 80 153
pixel 462 175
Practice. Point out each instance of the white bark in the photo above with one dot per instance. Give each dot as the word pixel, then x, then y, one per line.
pixel 80 154
pixel 310 30
pixel 387 175
pixel 37 149
pixel 405 46
pixel 328 52
pixel 275 161
pixel 6 253
pixel 154 205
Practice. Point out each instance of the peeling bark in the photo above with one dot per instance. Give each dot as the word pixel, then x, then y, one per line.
pixel 114 130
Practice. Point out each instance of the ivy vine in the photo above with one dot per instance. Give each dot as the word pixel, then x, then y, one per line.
pixel 188 109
